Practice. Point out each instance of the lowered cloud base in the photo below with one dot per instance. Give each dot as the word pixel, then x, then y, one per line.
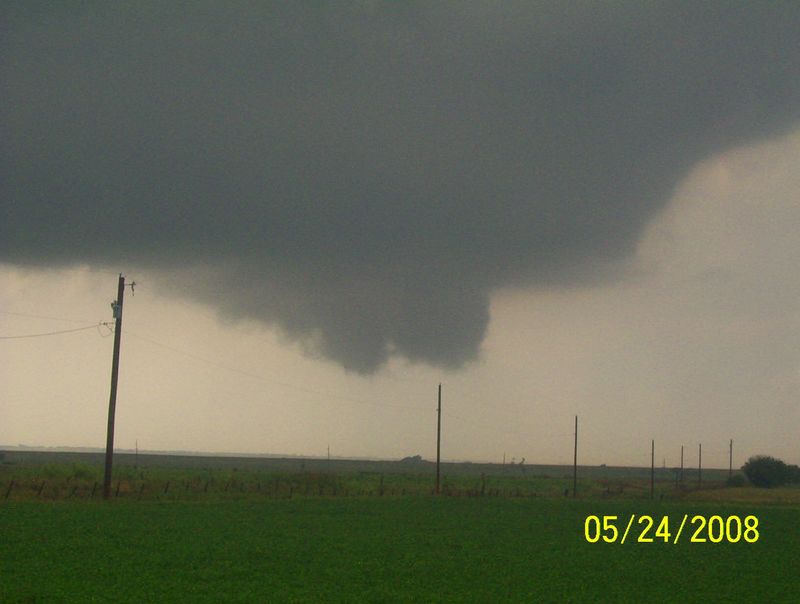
pixel 365 176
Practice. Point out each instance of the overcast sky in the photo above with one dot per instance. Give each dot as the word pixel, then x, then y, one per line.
pixel 551 209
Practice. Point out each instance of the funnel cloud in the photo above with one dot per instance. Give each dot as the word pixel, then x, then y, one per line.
pixel 363 176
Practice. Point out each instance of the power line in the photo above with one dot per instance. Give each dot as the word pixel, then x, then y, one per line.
pixel 52 333
pixel 32 316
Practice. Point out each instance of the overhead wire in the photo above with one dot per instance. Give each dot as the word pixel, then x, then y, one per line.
pixel 52 333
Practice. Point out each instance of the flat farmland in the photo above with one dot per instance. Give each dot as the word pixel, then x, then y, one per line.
pixel 415 549
pixel 198 529
pixel 51 476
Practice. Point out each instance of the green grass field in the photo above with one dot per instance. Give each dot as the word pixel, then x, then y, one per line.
pixel 422 549
pixel 210 530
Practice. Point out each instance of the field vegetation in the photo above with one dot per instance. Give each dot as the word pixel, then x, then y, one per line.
pixel 292 531
pixel 57 476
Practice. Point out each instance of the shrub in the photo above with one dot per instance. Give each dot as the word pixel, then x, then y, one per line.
pixel 55 471
pixel 765 471
pixel 82 471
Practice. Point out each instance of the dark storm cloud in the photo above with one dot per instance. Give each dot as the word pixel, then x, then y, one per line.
pixel 365 175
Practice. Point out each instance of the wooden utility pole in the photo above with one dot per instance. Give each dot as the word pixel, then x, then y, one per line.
pixel 652 468
pixel 681 464
pixel 699 464
pixel 575 462
pixel 438 437
pixel 112 401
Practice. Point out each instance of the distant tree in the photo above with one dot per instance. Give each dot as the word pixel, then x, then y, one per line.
pixel 766 472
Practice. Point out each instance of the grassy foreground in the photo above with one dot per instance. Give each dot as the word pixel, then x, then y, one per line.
pixel 420 549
